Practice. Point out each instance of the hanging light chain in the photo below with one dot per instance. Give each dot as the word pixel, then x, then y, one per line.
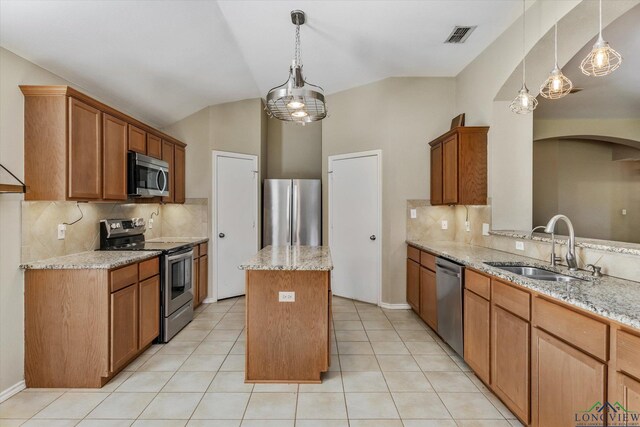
pixel 524 49
pixel 555 44
pixel 297 56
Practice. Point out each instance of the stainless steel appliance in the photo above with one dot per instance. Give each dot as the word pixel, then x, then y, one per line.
pixel 176 275
pixel 146 176
pixel 292 212
pixel 449 289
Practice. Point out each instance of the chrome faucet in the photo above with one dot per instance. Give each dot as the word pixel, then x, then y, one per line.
pixel 530 236
pixel 572 261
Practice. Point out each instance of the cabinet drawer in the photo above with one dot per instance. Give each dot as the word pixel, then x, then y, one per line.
pixel 413 253
pixel 628 350
pixel 123 277
pixel 477 283
pixel 583 332
pixel 428 260
pixel 203 247
pixel 149 268
pixel 511 299
pixel 196 251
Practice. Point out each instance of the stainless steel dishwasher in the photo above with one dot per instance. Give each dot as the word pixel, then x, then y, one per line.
pixel 449 286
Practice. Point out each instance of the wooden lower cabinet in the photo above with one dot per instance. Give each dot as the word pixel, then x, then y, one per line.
pixel 203 278
pixel 565 381
pixel 629 397
pixel 124 326
pixel 149 311
pixel 196 280
pixel 413 284
pixel 477 319
pixel 428 298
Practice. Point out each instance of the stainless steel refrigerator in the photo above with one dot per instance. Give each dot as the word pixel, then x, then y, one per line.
pixel 292 212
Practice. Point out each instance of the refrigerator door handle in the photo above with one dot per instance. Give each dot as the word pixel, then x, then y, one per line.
pixel 295 220
pixel 289 213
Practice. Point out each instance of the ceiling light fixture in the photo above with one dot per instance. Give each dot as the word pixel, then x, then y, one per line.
pixel 524 103
pixel 602 60
pixel 557 84
pixel 297 100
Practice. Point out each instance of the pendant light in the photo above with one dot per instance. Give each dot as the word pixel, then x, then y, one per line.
pixel 602 60
pixel 557 84
pixel 524 103
pixel 297 100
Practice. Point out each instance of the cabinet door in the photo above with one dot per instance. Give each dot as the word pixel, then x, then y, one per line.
pixel 179 176
pixel 124 326
pixel 476 334
pixel 196 280
pixel 428 298
pixel 114 158
pixel 629 397
pixel 137 140
pixel 168 156
pixel 85 151
pixel 203 278
pixel 565 381
pixel 436 175
pixel 154 146
pixel 510 346
pixel 149 295
pixel 413 285
pixel 450 170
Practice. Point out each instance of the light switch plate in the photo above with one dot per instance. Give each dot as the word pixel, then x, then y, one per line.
pixel 445 224
pixel 520 246
pixel 485 229
pixel 414 214
pixel 62 231
pixel 286 296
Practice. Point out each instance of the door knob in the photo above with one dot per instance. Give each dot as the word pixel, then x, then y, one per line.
pixel 373 237
pixel 221 235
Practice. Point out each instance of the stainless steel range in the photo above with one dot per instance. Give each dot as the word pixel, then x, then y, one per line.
pixel 176 264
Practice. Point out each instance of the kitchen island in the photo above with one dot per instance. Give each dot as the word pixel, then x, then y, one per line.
pixel 288 314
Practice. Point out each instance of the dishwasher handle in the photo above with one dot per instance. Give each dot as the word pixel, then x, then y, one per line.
pixel 445 270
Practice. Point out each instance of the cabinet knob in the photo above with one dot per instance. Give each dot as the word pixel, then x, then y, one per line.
pixel 221 235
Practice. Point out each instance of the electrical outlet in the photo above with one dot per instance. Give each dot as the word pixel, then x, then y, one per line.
pixel 467 226
pixel 62 231
pixel 445 224
pixel 150 223
pixel 520 246
pixel 624 211
pixel 485 229
pixel 286 297
pixel 414 214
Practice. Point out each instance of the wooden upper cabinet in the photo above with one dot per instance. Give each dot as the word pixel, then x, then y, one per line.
pixel 179 176
pixel 137 140
pixel 459 167
pixel 154 146
pixel 85 151
pixel 168 155
pixel 114 158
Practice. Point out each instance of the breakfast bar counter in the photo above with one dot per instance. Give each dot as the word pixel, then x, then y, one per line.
pixel 288 314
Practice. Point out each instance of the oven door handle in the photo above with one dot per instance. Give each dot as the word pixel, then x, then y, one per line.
pixel 183 255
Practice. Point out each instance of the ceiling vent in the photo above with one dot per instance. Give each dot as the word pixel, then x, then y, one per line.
pixel 460 34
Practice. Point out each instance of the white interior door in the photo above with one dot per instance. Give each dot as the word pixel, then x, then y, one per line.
pixel 354 225
pixel 235 219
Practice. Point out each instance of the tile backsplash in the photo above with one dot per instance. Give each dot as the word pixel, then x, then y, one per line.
pixel 40 224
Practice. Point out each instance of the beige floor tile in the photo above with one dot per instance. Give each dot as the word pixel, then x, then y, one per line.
pixel 229 382
pixel 394 315
pixel 145 382
pixel 213 423
pixel 153 349
pixel 351 362
pixel 26 405
pixel 172 406
pixel 223 335
pixel 354 347
pixel 239 347
pixel 436 363
pixel 420 405
pixel 371 315
pixel 397 363
pixel 33 422
pixel 317 406
pixel 222 406
pixel 371 406
pixel 210 315
pixel 375 423
pixel 516 423
pixel 233 362
pixel 122 406
pixel 5 422
pixel 202 363
pixel 504 411
pixel 469 406
pixel 483 423
pixel 159 423
pixel 214 347
pixel 429 423
pixel 271 406
pixel 424 347
pixel 322 423
pixel 203 324
pixel 138 362
pixel 189 382
pixel 230 324
pixel 408 325
pixel 268 423
pixel 345 316
pixel 105 423
pixel 351 336
pixel 164 363
pixel 377 325
pixel 409 336
pixel 461 363
pixel 348 325
pixel 111 385
pixel 275 388
pixel 390 347
pixel 364 382
pixel 451 382
pixel 478 383
pixel 383 336
pixel 344 309
pixel 331 383
pixel 191 335
pixel 72 405
pixel 407 382
pixel 179 347
pixel 334 366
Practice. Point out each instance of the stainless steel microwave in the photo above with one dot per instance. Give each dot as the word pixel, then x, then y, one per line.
pixel 146 176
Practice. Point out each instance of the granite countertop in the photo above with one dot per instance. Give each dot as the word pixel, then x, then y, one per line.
pixel 609 297
pixel 304 258
pixel 91 260
pixel 191 240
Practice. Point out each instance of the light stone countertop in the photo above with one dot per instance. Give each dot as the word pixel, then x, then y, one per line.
pixel 303 258
pixel 609 297
pixel 91 260
pixel 191 240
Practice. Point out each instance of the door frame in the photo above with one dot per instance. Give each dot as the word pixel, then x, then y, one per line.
pixel 370 153
pixel 213 261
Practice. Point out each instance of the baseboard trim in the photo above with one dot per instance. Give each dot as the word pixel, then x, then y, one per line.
pixel 209 300
pixel 389 306
pixel 14 389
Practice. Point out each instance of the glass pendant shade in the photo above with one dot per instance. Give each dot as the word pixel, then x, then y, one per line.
pixel 557 84
pixel 602 60
pixel 524 103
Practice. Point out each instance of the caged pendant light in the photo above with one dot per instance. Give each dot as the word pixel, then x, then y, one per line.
pixel 524 103
pixel 557 84
pixel 297 100
pixel 602 60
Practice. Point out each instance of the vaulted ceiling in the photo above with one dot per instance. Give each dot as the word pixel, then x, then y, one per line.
pixel 164 60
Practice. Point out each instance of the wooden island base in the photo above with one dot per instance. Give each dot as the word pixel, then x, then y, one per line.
pixel 287 342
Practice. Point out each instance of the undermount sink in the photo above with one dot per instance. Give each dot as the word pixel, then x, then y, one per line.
pixel 534 272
